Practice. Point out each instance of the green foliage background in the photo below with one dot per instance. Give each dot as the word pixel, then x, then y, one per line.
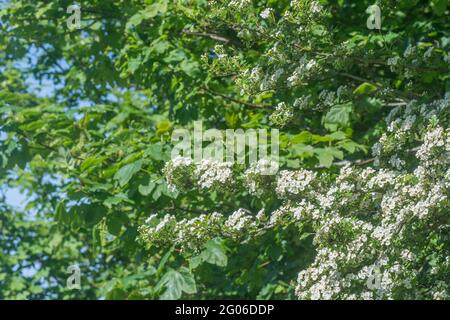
pixel 90 156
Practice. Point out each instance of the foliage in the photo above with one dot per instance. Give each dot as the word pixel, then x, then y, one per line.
pixel 364 132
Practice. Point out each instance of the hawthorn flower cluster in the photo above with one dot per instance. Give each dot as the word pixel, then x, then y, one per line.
pixel 266 13
pixel 213 172
pixel 395 147
pixel 381 227
pixel 378 237
pixel 239 3
pixel 380 232
pixel 178 173
pixel 296 60
pixel 191 234
pixel 293 183
pixel 188 234
pixel 282 115
pixel 280 65
pixel 257 181
pixel 372 227
pixel 415 57
pixel 182 174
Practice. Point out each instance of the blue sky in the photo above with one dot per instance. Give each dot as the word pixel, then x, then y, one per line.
pixel 13 195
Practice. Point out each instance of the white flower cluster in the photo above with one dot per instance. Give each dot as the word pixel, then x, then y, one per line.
pixel 266 13
pixel 381 180
pixel 178 173
pixel 212 172
pixel 294 183
pixel 187 234
pixel 282 115
pixel 191 234
pixel 156 230
pixel 258 178
pixel 371 225
pixel 304 69
pixel 414 58
pixel 395 147
pixel 220 52
pixel 182 174
pixel 364 223
pixel 303 103
pixel 434 139
pixel 379 233
pixel 316 7
pixel 239 221
pixel 239 4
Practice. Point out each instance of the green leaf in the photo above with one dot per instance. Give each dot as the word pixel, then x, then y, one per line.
pixel 338 115
pixel 135 20
pixel 302 150
pixel 214 253
pixel 134 65
pixel 146 190
pixel 325 157
pixel 160 46
pixel 338 135
pixel 96 26
pixel 350 146
pixel 156 152
pixel 174 56
pixel 158 192
pixel 440 6
pixel 91 162
pixel 112 201
pixel 126 173
pixel 116 294
pixel 293 163
pixel 164 260
pixel 191 68
pixel 153 10
pixel 302 137
pixel 365 89
pixel 114 224
pixel 130 281
pixel 61 214
pixel 150 12
pixel 335 152
pixel 176 282
pixel 118 198
pixel 163 126
pixel 94 214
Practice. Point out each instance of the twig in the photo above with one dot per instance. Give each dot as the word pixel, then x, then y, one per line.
pixel 207 35
pixel 248 104
pixel 351 76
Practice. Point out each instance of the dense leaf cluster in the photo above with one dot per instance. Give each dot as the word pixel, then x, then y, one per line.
pixel 86 117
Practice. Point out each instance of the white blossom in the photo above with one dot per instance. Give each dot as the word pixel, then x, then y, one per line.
pixel 266 13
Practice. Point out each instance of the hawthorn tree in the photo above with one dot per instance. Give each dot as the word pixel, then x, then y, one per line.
pixel 358 210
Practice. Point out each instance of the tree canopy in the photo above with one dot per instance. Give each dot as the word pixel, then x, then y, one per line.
pixel 358 210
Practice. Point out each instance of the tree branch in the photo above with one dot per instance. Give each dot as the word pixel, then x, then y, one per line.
pixel 245 103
